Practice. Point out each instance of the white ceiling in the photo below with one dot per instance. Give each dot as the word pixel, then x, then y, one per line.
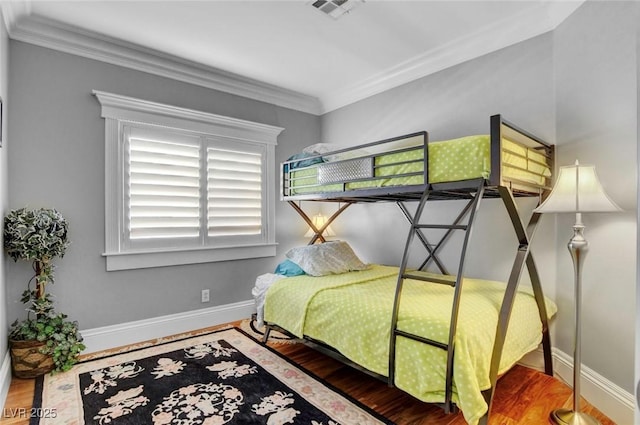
pixel 291 45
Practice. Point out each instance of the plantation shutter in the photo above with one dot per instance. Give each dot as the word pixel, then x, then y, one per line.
pixel 234 193
pixel 184 186
pixel 164 194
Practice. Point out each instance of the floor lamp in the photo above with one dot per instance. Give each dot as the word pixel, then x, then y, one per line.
pixel 577 190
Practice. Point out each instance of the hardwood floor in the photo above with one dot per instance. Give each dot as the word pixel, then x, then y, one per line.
pixel 523 395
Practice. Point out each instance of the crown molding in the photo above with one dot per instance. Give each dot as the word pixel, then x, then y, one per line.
pixel 12 11
pixel 543 17
pixel 69 39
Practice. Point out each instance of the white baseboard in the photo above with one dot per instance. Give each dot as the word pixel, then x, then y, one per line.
pixel 609 398
pixel 107 337
pixel 5 377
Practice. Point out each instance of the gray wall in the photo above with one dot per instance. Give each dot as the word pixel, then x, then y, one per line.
pixel 576 87
pixel 57 160
pixel 516 82
pixel 597 114
pixel 4 190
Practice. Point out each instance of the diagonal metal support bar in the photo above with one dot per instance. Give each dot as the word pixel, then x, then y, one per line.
pixel 544 319
pixel 446 236
pixel 424 240
pixel 318 232
pixel 433 249
pixel 307 220
pixel 523 257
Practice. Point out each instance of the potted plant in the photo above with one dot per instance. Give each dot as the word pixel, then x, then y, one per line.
pixel 45 341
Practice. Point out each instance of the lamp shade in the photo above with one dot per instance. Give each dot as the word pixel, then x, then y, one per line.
pixel 577 190
pixel 318 221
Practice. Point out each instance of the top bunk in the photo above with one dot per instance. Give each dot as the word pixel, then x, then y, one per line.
pixel 402 168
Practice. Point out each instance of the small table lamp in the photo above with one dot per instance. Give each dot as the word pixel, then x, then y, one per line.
pixel 576 190
pixel 319 220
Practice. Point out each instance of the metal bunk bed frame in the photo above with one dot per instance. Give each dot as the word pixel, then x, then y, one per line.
pixel 496 186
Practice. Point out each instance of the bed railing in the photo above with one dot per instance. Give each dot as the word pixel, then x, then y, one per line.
pixel 379 171
pixel 369 170
pixel 533 158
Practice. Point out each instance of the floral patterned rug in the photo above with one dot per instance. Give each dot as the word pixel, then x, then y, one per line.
pixel 223 377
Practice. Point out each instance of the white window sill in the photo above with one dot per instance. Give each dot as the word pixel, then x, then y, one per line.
pixel 141 260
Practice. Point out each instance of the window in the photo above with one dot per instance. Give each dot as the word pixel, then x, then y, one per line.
pixel 184 186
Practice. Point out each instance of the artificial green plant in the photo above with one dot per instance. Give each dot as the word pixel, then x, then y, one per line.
pixel 40 235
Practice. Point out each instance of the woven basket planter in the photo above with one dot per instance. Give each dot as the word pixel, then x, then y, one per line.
pixel 27 361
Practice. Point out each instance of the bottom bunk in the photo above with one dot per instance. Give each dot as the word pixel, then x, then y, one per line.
pixel 350 313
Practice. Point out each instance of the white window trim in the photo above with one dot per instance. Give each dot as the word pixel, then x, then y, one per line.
pixel 118 110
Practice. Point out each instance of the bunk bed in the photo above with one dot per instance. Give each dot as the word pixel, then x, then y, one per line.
pixel 507 163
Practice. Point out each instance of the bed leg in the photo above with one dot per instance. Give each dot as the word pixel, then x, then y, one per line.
pixel 484 420
pixel 267 331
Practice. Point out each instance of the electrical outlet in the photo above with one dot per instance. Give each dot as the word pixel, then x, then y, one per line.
pixel 205 295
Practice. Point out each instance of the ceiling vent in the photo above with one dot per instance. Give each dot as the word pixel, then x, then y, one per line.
pixel 335 8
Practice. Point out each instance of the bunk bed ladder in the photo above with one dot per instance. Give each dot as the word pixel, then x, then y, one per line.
pixel 416 229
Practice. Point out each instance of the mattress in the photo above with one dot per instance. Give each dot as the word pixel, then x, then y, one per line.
pixel 352 313
pixel 449 160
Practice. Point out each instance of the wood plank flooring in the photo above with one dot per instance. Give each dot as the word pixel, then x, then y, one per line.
pixel 523 395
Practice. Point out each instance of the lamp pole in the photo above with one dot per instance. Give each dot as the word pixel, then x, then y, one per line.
pixel 578 247
pixel 577 190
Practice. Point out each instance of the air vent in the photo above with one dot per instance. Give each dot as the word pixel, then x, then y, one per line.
pixel 335 8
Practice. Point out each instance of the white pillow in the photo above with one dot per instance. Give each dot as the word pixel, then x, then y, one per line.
pixel 326 258
pixel 324 148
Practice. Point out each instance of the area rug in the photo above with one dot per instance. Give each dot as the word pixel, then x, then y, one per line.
pixel 223 377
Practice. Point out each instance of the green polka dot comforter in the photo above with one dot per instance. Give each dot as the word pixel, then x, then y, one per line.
pixel 352 313
pixel 449 160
